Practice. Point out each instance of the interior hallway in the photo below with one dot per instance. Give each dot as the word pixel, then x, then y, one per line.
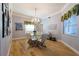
pixel 21 48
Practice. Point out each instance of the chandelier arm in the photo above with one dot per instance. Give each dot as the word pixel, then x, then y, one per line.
pixel 35 19
pixel 35 12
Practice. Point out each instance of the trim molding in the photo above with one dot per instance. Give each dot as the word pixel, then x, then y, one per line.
pixel 21 15
pixel 9 48
pixel 77 52
pixel 18 38
pixel 11 43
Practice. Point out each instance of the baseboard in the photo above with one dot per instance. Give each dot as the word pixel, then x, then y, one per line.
pixel 59 40
pixel 77 52
pixel 9 48
pixel 11 43
pixel 18 38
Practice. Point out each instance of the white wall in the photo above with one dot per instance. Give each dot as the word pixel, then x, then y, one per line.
pixel 0 27
pixel 6 41
pixel 19 33
pixel 19 19
pixel 70 40
pixel 52 25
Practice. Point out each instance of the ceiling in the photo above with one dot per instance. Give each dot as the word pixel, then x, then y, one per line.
pixel 43 9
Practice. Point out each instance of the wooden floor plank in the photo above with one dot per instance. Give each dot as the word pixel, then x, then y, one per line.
pixel 21 48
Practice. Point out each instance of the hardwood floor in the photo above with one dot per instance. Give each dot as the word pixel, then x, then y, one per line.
pixel 21 48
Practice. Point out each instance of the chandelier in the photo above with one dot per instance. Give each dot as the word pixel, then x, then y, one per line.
pixel 35 19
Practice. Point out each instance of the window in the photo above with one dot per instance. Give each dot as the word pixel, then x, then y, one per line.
pixel 29 28
pixel 70 26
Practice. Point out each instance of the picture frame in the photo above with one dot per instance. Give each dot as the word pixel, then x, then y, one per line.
pixel 18 26
pixel 5 20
